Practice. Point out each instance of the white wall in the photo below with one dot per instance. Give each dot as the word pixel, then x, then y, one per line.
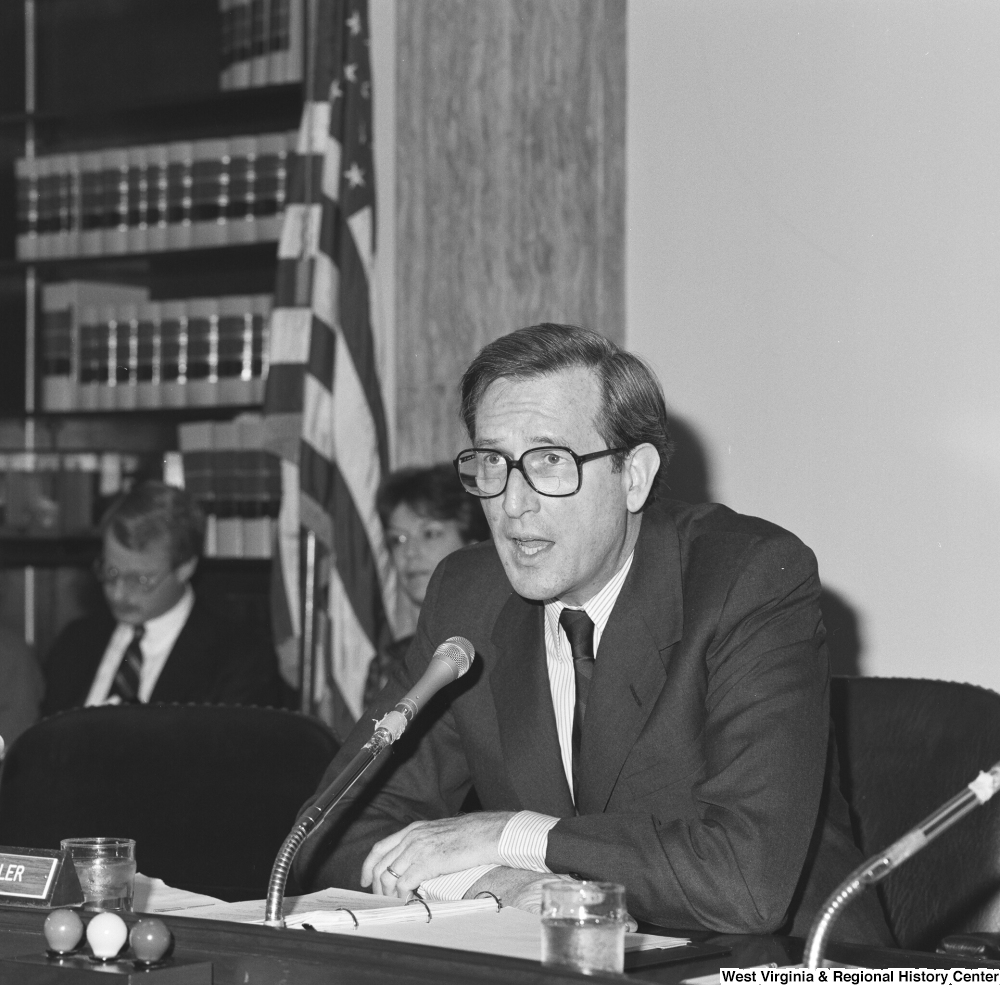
pixel 814 271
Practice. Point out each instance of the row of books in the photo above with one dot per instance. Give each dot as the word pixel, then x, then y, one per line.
pixel 262 42
pixel 60 493
pixel 236 483
pixel 108 347
pixel 153 197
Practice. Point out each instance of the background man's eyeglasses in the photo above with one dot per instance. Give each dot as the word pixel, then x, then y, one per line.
pixel 550 470
pixel 132 581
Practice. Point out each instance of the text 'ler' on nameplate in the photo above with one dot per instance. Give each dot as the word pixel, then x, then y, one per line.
pixel 39 877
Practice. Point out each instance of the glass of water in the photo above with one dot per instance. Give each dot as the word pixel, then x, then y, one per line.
pixel 106 870
pixel 583 925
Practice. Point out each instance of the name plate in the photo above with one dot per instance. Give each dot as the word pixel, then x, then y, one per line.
pixel 38 877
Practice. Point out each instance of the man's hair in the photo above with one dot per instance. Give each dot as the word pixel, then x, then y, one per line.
pixel 153 511
pixel 434 492
pixel 632 409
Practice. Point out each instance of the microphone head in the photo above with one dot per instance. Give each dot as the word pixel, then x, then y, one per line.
pixel 458 652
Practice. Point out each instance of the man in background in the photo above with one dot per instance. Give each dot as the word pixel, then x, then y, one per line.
pixel 158 642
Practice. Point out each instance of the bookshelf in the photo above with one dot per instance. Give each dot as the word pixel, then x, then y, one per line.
pixel 143 167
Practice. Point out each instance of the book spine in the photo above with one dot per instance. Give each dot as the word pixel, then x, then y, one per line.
pixel 90 344
pixel 106 353
pixel 240 74
pixel 235 316
pixel 69 208
pixel 225 44
pixel 180 182
pixel 173 353
pixel 115 239
pixel 277 42
pixel 260 22
pixel 58 381
pixel 147 357
pixel 295 58
pixel 242 189
pixel 210 192
pixel 138 200
pixel 261 345
pixel 272 176
pixel 127 357
pixel 202 351
pixel 26 176
pixel 91 202
pixel 157 169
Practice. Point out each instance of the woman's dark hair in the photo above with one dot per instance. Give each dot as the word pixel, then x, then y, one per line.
pixel 152 511
pixel 632 409
pixel 433 491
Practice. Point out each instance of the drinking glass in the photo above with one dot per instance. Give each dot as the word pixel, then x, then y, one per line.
pixel 583 925
pixel 106 870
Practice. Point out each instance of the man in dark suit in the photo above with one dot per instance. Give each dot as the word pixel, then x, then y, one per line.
pixel 158 642
pixel 649 702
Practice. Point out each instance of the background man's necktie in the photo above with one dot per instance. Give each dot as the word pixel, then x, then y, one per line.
pixel 579 629
pixel 126 682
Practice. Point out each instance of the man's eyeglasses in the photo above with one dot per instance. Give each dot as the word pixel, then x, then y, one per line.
pixel 550 470
pixel 133 582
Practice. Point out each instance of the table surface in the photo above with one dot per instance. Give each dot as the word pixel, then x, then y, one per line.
pixel 247 955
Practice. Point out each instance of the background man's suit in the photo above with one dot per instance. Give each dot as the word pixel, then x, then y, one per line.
pixel 704 788
pixel 213 660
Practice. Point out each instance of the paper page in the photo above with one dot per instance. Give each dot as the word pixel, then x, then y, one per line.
pixel 510 933
pixel 155 896
pixel 413 912
pixel 251 911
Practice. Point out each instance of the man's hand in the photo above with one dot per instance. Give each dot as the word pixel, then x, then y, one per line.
pixel 519 888
pixel 426 849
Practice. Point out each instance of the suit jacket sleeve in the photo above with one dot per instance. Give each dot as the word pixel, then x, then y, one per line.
pixel 423 776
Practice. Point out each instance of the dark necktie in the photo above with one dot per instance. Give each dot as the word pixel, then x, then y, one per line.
pixel 579 629
pixel 126 682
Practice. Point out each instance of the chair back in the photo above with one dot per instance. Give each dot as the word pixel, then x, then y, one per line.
pixel 208 792
pixel 906 747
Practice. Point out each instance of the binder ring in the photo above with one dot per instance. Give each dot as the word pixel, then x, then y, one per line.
pixel 486 892
pixel 417 899
pixel 351 912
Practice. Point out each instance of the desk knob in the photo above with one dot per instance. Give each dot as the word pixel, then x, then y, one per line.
pixel 150 940
pixel 63 930
pixel 106 934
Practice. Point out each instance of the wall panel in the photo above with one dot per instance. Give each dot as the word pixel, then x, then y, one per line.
pixel 510 130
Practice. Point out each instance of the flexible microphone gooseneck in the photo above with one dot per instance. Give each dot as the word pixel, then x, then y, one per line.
pixel 451 660
pixel 880 865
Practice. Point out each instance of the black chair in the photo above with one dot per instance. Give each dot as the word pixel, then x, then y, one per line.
pixel 906 747
pixel 208 792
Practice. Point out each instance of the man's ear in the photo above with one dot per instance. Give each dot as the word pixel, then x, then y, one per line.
pixel 640 468
pixel 183 572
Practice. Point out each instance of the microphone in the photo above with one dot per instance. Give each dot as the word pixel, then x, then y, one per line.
pixel 875 869
pixel 451 660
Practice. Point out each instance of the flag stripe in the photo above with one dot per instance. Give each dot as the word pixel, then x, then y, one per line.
pixel 355 561
pixel 284 386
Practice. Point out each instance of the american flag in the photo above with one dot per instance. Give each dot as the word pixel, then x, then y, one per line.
pixel 323 402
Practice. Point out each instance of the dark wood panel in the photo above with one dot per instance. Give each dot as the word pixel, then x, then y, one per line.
pixel 510 188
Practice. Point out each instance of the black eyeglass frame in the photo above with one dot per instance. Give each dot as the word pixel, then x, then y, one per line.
pixel 519 465
pixel 134 582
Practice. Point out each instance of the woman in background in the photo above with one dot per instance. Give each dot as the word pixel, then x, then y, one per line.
pixel 426 515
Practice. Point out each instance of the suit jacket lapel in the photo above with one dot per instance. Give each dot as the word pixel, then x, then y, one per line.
pixel 631 660
pixel 520 686
pixel 185 664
